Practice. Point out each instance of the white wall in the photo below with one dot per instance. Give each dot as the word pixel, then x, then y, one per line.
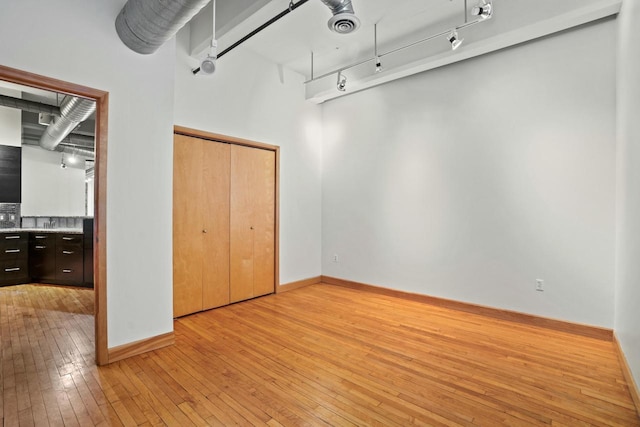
pixel 627 324
pixel 248 98
pixel 49 190
pixel 10 121
pixel 472 181
pixel 75 40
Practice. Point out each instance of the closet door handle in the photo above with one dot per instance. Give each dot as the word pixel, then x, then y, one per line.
pixel 205 231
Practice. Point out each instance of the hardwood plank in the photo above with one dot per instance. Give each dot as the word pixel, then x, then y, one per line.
pixel 321 355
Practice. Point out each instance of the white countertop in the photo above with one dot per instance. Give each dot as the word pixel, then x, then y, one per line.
pixel 42 230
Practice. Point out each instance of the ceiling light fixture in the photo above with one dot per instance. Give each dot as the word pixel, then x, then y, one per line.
pixel 454 39
pixel 483 10
pixel 379 68
pixel 208 64
pixel 63 165
pixel 342 82
pixel 73 159
pixel 451 35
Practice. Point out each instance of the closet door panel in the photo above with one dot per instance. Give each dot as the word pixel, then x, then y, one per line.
pixel 216 201
pixel 242 230
pixel 264 196
pixel 187 225
pixel 252 222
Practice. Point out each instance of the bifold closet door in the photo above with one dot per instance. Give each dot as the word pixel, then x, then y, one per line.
pixel 253 194
pixel 216 180
pixel 200 225
pixel 187 225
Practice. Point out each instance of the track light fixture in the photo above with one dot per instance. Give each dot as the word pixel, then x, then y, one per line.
pixel 375 49
pixel 454 40
pixel 208 64
pixel 483 10
pixel 342 82
pixel 379 68
pixel 63 165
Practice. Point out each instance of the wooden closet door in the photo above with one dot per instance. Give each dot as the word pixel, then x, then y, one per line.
pixel 187 225
pixel 252 222
pixel 216 187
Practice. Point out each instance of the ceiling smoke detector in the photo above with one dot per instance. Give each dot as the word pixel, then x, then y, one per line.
pixel 344 23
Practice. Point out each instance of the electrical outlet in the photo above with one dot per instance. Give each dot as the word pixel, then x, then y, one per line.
pixel 539 285
pixel 335 257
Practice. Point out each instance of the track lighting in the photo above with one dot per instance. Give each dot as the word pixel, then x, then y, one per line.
pixel 208 64
pixel 63 165
pixel 342 82
pixel 454 40
pixel 484 10
pixel 379 68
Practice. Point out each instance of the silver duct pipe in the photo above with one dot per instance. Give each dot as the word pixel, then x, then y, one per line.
pixel 145 25
pixel 73 111
pixel 344 20
pixel 75 151
pixel 31 106
pixel 69 149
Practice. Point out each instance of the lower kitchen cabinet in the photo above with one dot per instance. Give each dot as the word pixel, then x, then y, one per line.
pixel 42 257
pixel 69 259
pixel 14 259
pixel 45 257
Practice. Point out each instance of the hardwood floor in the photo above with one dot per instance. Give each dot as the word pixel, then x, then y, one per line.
pixel 320 355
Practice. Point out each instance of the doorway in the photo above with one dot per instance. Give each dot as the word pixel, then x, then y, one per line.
pixel 101 99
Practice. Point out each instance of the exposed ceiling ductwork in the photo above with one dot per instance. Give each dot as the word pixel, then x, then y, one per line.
pixel 31 106
pixel 344 20
pixel 63 147
pixel 145 25
pixel 73 111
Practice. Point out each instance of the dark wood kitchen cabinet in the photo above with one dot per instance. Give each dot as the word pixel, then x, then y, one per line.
pixel 14 259
pixel 10 174
pixel 69 259
pixel 42 257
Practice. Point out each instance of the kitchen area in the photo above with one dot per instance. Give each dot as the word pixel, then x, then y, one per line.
pixel 46 187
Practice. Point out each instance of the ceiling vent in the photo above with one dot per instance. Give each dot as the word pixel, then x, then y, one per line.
pixel 344 20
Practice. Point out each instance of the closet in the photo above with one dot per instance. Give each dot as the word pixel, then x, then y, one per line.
pixel 224 222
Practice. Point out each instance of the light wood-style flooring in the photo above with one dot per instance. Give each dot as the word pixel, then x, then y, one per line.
pixel 320 355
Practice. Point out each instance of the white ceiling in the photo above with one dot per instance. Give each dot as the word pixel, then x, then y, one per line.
pixel 291 40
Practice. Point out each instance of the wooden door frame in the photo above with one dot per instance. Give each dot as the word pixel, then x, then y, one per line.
pixel 101 98
pixel 216 137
